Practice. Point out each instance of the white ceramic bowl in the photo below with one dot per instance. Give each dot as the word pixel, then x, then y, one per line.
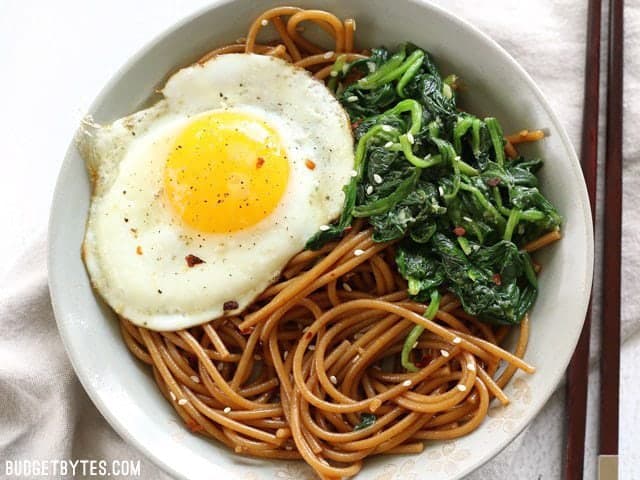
pixel 123 389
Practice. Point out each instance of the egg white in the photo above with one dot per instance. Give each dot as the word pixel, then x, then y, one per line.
pixel 134 247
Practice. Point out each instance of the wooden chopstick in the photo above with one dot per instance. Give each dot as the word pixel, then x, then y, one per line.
pixel 610 347
pixel 578 372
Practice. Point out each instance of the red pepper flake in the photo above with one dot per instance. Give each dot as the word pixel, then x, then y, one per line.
pixel 355 124
pixel 459 231
pixel 497 279
pixel 259 162
pixel 193 260
pixel 494 182
pixel 308 335
pixel 310 164
pixel 139 250
pixel 230 305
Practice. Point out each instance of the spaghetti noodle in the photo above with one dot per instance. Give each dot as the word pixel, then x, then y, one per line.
pixel 312 369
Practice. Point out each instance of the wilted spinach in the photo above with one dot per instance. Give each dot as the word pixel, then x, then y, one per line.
pixel 438 179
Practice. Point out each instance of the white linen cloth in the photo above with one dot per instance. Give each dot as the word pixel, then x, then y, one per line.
pixel 56 55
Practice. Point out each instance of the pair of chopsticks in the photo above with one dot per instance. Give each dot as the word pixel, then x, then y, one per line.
pixel 578 373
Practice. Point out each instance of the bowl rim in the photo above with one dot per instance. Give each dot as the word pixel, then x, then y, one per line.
pixel 56 283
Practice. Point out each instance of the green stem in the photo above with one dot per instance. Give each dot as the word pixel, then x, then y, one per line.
pixel 498 199
pixel 475 136
pixel 427 162
pixel 484 202
pixel 387 203
pixel 410 73
pixel 467 169
pixel 462 126
pixel 335 71
pixel 497 138
pixel 512 222
pixel 374 81
pixel 416 331
pixel 371 80
pixel 411 106
pixel 364 140
pixel 529 272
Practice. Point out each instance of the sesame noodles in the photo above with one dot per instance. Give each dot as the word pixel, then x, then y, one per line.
pixel 312 369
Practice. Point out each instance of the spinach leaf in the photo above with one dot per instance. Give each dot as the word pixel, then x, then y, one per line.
pixel 415 214
pixel 490 282
pixel 366 420
pixel 418 264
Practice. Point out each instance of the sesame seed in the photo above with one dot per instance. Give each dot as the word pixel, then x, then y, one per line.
pixel 334 73
pixel 333 379
pixel 354 25
pixel 377 178
pixel 288 447
pixel 324 228
pixel 471 367
pixel 457 158
pixel 227 410
pixel 358 252
pixel 311 347
pixel 388 144
pixel 347 287
pixel 462 388
pixel 173 396
pixel 371 66
pixel 285 354
pixel 257 357
pixel 182 401
pixel 352 99
pixel 457 340
pixel 444 353
pixel 406 383
pixel 410 138
pixel 354 173
pixel 369 189
pixel 328 55
pixel 468 219
pixel 387 128
pixel 195 379
pixel 264 22
pixel 355 359
pixel 441 191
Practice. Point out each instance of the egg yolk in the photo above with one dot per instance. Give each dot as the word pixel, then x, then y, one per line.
pixel 227 171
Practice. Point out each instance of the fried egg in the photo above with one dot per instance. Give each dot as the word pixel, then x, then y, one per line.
pixel 199 201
